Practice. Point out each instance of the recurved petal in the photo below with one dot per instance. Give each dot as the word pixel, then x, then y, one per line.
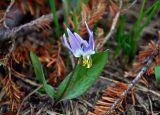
pixel 91 39
pixel 65 42
pixel 91 42
pixel 74 43
pixel 89 31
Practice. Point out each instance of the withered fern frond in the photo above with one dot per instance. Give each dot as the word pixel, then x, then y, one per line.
pixel 143 55
pixel 109 96
pixel 12 92
pixel 92 13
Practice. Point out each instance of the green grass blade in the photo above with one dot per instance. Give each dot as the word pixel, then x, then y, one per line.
pixel 157 74
pixel 66 11
pixel 75 21
pixel 55 17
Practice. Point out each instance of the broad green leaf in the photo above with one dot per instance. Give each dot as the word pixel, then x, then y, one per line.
pixel 37 68
pixel 49 90
pixel 82 78
pixel 40 75
pixel 157 74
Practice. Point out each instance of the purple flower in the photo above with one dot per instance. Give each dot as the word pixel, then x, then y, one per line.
pixel 80 47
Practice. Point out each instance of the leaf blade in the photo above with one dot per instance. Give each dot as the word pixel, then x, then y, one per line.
pixel 81 79
pixel 157 74
pixel 40 75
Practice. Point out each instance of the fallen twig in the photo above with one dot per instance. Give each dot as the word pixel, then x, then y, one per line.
pixel 26 28
pixel 134 81
pixel 7 36
pixel 23 78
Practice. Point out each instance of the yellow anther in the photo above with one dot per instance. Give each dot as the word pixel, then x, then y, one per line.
pixel 87 62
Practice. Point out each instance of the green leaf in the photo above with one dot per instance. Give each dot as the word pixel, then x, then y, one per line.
pixel 49 90
pixel 37 68
pixel 40 75
pixel 82 78
pixel 157 74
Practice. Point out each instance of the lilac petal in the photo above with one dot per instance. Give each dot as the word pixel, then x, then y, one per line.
pixel 91 40
pixel 81 39
pixel 66 43
pixel 74 43
pixel 78 53
pixel 89 31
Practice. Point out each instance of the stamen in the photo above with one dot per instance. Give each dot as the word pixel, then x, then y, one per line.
pixel 87 61
pixel 89 64
pixel 84 61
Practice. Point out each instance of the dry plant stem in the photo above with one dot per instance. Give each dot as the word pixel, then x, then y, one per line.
pixel 27 80
pixel 8 10
pixel 133 3
pixel 112 29
pixel 151 105
pixel 148 90
pixel 72 60
pixel 27 98
pixel 137 78
pixel 53 113
pixel 11 49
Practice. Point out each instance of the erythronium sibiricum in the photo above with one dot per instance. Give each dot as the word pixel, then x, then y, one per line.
pixel 80 47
